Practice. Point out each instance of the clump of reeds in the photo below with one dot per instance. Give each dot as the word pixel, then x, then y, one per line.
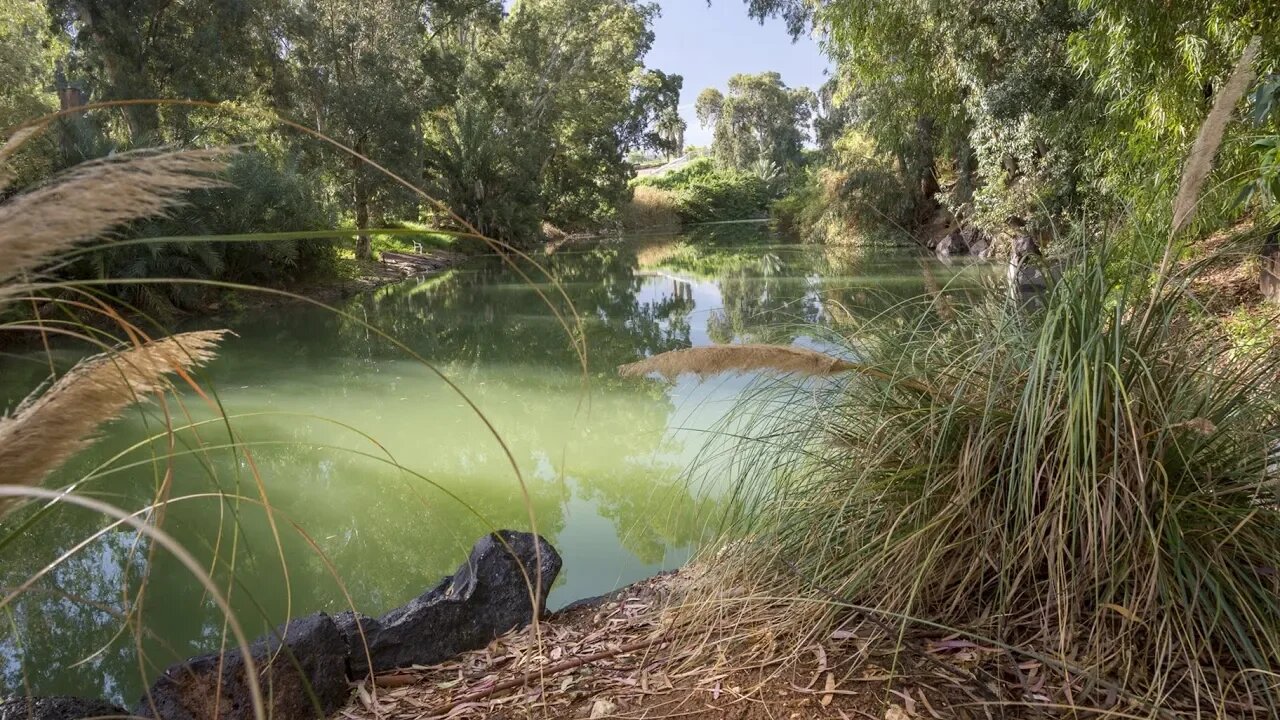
pixel 1096 483
pixel 83 204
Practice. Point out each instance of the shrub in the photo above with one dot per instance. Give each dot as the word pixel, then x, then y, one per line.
pixel 857 194
pixel 261 195
pixel 705 193
pixel 651 207
pixel 1092 478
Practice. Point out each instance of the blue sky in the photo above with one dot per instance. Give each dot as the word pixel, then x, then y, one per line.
pixel 708 44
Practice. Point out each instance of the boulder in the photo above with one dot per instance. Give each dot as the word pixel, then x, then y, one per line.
pixel 302 671
pixel 951 245
pixel 58 708
pixel 1026 274
pixel 488 596
pixel 979 243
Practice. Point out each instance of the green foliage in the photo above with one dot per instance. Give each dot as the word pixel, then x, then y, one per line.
pixel 855 193
pixel 656 123
pixel 508 116
pixel 263 195
pixel 1262 184
pixel 759 124
pixel 28 53
pixel 548 103
pixel 1091 479
pixel 707 193
pixel 1043 110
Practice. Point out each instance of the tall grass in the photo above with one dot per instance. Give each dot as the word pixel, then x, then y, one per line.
pixel 1094 480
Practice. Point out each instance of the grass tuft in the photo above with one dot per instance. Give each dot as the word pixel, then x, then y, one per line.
pixel 1094 479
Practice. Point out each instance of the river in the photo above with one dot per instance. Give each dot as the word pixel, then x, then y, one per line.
pixel 380 475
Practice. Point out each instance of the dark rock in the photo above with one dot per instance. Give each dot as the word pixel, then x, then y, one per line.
pixel 1026 275
pixel 951 245
pixel 58 708
pixel 589 603
pixel 306 677
pixel 485 598
pixel 979 243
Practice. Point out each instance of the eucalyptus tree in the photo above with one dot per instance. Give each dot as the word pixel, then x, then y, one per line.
pixel 656 124
pixel 1037 106
pixel 164 49
pixel 553 96
pixel 27 60
pixel 28 53
pixel 760 122
pixel 984 87
pixel 361 80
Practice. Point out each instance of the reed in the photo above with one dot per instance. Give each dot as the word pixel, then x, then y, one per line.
pixel 1093 481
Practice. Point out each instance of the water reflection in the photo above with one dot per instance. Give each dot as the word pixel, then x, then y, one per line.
pixel 599 458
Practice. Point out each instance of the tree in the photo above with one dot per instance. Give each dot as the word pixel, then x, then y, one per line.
pixel 361 79
pixel 656 124
pixel 161 49
pixel 982 88
pixel 670 129
pixel 27 57
pixel 552 98
pixel 761 122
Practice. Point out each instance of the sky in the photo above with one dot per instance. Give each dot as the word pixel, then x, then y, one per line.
pixel 708 44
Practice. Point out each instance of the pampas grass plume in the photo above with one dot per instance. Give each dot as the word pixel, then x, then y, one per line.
pixel 47 429
pixel 706 361
pixel 1205 149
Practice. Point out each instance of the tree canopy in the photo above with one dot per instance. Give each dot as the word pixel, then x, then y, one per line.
pixel 509 116
pixel 760 124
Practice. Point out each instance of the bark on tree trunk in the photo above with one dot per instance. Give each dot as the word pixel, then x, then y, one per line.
pixel 926 166
pixel 364 244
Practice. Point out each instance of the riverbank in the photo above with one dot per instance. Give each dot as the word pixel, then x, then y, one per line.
pixel 349 279
pixel 353 277
pixel 648 651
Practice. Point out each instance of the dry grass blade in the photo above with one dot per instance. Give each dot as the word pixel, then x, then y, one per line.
pixel 1205 149
pixel 46 430
pixel 705 361
pixel 95 198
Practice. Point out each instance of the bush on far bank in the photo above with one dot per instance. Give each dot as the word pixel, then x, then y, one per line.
pixel 697 193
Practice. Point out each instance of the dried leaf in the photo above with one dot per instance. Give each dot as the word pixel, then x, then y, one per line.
pixel 602 708
pixel 895 712
pixel 1122 611
pixel 830 690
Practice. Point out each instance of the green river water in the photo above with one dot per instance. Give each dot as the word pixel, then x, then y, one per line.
pixel 377 470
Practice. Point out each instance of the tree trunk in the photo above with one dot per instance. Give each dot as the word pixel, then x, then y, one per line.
pixel 364 244
pixel 1269 268
pixel 926 166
